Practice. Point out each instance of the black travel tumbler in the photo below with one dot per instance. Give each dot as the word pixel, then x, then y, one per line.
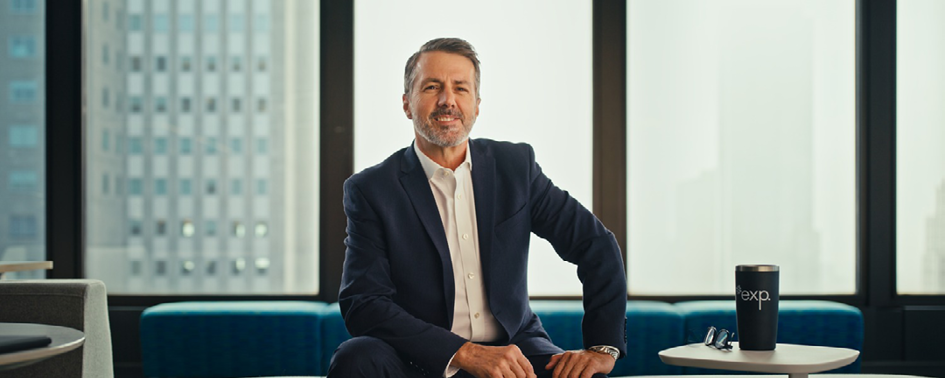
pixel 756 306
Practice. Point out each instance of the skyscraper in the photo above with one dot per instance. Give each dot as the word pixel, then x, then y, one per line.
pixel 22 134
pixel 200 146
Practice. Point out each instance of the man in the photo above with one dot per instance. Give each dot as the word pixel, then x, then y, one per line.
pixel 434 280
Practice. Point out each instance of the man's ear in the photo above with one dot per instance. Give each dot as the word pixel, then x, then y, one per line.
pixel 478 101
pixel 407 107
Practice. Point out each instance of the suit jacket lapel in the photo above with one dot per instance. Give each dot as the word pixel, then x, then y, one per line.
pixel 483 175
pixel 417 186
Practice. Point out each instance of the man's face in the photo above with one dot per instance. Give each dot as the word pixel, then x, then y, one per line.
pixel 442 102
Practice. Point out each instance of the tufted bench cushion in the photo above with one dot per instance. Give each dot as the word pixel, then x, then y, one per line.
pixel 801 322
pixel 232 339
pixel 651 327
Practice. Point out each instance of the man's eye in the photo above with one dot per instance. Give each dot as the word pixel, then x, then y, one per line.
pixel 429 87
pixel 461 89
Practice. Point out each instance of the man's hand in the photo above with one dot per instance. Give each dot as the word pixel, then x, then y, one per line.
pixel 493 362
pixel 580 364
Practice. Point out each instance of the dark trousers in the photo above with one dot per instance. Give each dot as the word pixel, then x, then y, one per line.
pixel 369 357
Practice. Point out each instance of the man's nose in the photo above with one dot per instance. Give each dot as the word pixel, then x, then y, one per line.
pixel 447 99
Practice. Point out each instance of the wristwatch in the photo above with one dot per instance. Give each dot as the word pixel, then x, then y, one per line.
pixel 606 349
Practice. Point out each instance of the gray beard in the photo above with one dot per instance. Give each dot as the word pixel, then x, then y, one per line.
pixel 428 132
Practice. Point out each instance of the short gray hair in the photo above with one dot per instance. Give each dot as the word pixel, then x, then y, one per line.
pixel 450 45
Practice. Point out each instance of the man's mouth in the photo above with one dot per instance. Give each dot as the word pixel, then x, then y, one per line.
pixel 445 117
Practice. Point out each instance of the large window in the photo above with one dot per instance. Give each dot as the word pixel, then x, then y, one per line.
pixel 536 88
pixel 740 144
pixel 169 233
pixel 22 134
pixel 920 147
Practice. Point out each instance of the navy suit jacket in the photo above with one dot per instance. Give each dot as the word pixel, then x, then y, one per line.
pixel 397 283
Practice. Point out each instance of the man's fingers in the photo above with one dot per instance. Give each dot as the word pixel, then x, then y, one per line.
pixel 562 369
pixel 588 372
pixel 554 361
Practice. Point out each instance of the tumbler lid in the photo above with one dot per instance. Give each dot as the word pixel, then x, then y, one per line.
pixel 757 268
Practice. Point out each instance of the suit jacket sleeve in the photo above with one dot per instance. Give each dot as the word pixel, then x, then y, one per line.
pixel 580 238
pixel 367 290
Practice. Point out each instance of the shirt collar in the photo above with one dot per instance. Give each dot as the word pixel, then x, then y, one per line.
pixel 430 167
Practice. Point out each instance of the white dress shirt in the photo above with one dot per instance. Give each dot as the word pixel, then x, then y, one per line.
pixel 453 191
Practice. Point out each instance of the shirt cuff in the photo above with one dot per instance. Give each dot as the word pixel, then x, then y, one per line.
pixel 450 370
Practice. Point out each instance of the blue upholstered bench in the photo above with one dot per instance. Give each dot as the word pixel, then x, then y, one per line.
pixel 232 339
pixel 820 323
pixel 240 339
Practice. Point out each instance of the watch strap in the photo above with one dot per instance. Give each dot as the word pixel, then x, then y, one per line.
pixel 606 349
